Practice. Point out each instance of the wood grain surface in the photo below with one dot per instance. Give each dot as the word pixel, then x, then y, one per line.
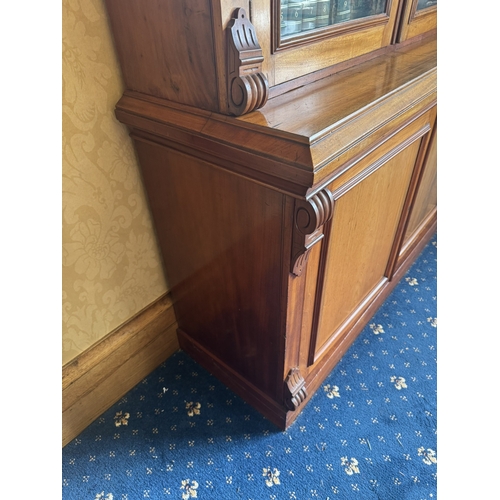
pixel 282 230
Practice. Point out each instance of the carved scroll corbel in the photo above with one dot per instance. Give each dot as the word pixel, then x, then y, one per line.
pixel 310 216
pixel 295 389
pixel 247 86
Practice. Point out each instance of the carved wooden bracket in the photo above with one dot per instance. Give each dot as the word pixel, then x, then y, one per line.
pixel 295 391
pixel 247 86
pixel 310 216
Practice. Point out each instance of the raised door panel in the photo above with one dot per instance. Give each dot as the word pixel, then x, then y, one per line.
pixel 360 240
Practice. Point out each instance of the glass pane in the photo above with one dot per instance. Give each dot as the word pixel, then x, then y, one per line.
pixel 423 4
pixel 299 17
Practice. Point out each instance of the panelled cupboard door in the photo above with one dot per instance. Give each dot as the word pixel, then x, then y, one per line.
pixel 425 204
pixel 363 236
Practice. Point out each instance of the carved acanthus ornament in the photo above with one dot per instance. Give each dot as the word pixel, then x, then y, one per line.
pixel 295 389
pixel 310 217
pixel 247 86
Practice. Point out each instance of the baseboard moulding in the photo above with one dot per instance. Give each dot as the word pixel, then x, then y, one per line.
pixel 97 378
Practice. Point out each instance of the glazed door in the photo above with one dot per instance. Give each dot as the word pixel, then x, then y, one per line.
pixel 418 16
pixel 301 37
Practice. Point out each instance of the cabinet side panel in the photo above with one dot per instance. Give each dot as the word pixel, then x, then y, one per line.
pixel 362 232
pixel 166 49
pixel 221 238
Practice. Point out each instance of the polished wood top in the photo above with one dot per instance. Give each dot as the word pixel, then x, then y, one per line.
pixel 301 137
pixel 313 111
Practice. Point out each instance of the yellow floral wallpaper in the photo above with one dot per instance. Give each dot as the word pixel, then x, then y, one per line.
pixel 111 262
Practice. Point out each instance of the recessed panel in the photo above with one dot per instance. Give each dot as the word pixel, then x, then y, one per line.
pixel 426 199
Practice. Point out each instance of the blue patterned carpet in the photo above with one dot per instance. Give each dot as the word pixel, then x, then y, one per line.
pixel 368 433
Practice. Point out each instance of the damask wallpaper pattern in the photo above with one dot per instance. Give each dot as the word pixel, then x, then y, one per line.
pixel 111 262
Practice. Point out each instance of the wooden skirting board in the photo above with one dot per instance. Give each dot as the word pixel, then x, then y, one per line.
pixel 100 376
